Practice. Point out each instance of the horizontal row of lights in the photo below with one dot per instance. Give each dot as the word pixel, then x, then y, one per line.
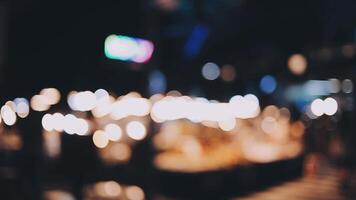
pixel 100 103
pixel 113 132
pixel 319 107
pixel 200 109
pixel 68 123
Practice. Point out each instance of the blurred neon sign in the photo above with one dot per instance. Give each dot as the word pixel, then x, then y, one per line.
pixel 125 48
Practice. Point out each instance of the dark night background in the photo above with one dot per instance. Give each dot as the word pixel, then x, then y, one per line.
pixel 55 43
pixel 61 44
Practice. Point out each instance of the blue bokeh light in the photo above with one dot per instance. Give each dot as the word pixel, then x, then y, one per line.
pixel 268 84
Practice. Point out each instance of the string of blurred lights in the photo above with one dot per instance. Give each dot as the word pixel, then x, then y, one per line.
pixel 239 128
pixel 161 108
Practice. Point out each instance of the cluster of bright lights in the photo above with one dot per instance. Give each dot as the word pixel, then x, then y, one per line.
pixel 68 123
pixel 45 99
pixel 126 48
pixel 13 109
pixel 82 101
pixel 245 106
pixel 172 107
pixel 130 106
pixel 329 106
pixel 201 109
pixel 114 190
pixel 101 103
pixel 113 132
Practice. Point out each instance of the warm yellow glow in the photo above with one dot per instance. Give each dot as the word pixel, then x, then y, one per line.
pixel 12 105
pixel 174 93
pixel 269 125
pixel 168 136
pixel 136 130
pixel 108 189
pixel 297 129
pixel 58 194
pixel 120 151
pixel 112 189
pixel 271 111
pixel 192 148
pixel 8 115
pixel 113 132
pixel 40 103
pixel 297 64
pixel 134 193
pixel 52 94
pixel 156 97
pixel 100 139
pixel 52 144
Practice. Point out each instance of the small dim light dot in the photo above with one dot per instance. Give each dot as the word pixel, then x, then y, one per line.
pixel 228 73
pixel 268 84
pixel 210 71
pixel 347 86
pixel 297 64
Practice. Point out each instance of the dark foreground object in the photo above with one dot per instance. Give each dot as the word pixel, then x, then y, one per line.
pixel 225 184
